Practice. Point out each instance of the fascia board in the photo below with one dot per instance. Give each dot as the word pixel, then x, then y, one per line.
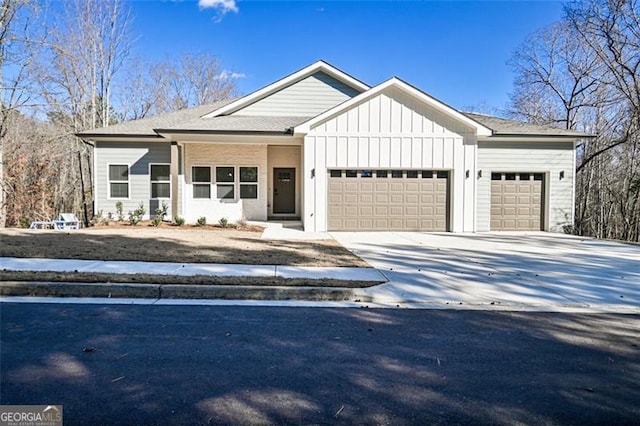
pixel 286 81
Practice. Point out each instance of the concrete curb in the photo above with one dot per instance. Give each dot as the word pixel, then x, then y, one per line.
pixel 176 291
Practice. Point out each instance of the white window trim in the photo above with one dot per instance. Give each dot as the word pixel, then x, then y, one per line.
pixel 211 176
pixel 109 197
pixel 236 195
pixel 151 182
pixel 256 183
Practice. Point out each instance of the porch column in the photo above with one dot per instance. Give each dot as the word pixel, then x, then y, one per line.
pixel 174 179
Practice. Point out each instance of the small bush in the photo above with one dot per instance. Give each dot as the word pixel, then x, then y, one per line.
pixel 136 216
pixel 24 222
pixel 223 222
pixel 201 221
pixel 162 210
pixel 179 221
pixel 99 219
pixel 156 221
pixel 120 210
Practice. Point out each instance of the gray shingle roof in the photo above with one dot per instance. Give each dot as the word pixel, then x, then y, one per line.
pixel 239 123
pixel 145 126
pixel 503 126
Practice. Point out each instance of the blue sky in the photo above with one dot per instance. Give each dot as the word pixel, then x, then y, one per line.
pixel 454 50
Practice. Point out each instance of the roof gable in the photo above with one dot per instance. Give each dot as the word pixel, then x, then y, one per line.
pixel 320 74
pixel 420 99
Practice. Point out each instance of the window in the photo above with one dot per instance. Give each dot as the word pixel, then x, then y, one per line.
pixel 396 174
pixel 365 173
pixel 201 178
pixel 118 181
pixel 525 176
pixel 247 189
pixel 160 180
pixel 427 174
pixel 224 190
pixel 352 173
pixel 510 176
pixel 412 174
pixel 442 175
pixel 496 176
pixel 382 173
pixel 336 173
pixel 537 176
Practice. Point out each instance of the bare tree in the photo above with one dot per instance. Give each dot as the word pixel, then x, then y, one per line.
pixel 190 80
pixel 17 37
pixel 583 73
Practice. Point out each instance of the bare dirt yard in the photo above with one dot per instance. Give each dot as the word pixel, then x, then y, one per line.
pixel 173 244
pixel 206 244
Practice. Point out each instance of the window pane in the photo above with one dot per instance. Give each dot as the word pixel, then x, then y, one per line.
pixel 119 173
pixel 119 190
pixel 248 174
pixel 510 176
pixel 201 191
pixel 382 173
pixel 442 175
pixel 352 173
pixel 496 176
pixel 160 172
pixel 396 173
pixel 225 192
pixel 537 176
pixel 160 190
pixel 224 174
pixel 248 191
pixel 412 173
pixel 366 173
pixel 201 174
pixel 336 173
pixel 525 176
pixel 427 174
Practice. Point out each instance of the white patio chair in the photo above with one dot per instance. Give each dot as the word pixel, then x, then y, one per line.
pixel 67 221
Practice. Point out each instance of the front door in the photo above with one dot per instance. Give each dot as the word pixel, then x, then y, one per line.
pixel 284 191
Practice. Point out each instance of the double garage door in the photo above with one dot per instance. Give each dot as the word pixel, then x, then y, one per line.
pixel 388 200
pixel 517 201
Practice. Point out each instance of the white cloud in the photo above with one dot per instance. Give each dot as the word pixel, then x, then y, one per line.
pixel 222 6
pixel 229 75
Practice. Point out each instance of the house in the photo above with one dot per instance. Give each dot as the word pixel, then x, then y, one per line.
pixel 327 149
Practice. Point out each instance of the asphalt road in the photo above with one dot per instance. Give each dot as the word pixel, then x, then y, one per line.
pixel 164 365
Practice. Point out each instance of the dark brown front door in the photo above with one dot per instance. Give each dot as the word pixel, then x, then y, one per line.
pixel 284 191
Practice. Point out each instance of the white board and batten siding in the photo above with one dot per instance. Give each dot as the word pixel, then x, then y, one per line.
pixel 390 131
pixel 549 158
pixel 138 156
pixel 309 97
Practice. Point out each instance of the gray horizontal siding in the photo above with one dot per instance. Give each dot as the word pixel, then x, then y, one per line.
pixel 307 98
pixel 138 156
pixel 550 158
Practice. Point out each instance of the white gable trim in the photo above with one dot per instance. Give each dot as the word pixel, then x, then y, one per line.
pixel 287 81
pixel 395 82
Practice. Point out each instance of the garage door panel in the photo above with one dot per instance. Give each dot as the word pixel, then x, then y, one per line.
pixel 388 203
pixel 516 205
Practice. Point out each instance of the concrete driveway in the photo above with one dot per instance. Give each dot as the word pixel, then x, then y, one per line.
pixel 540 269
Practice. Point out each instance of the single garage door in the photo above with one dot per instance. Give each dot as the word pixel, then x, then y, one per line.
pixel 388 200
pixel 517 201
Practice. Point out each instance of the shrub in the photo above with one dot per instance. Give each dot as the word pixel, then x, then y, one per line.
pixel 136 216
pixel 201 221
pixel 120 210
pixel 162 210
pixel 179 221
pixel 24 222
pixel 99 219
pixel 223 222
